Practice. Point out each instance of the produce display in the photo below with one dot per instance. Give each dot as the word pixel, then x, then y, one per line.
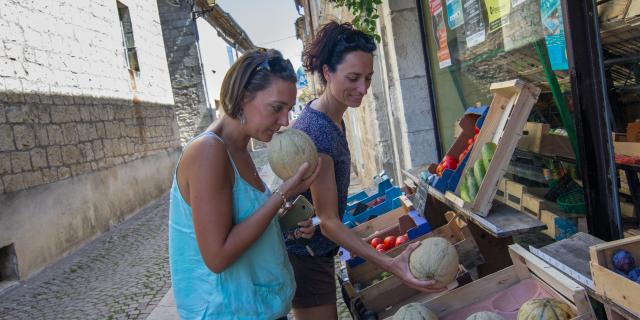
pixel 624 263
pixel 414 311
pixel 484 315
pixel 388 243
pixel 470 183
pixel 435 259
pixel 288 150
pixel 545 309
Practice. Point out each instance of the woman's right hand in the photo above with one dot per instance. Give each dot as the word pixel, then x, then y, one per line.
pixel 297 184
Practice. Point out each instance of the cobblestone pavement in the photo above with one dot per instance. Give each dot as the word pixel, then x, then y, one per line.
pixel 122 274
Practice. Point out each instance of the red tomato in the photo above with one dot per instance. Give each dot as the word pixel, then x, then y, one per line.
pixel 381 248
pixel 401 239
pixel 390 242
pixel 476 130
pixel 376 241
pixel 439 169
pixel 448 158
pixel 470 141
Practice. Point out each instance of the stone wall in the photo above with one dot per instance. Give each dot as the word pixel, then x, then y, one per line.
pixel 180 37
pixel 75 48
pixel 44 139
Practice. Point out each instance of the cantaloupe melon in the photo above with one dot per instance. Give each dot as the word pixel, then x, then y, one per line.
pixel 288 150
pixel 414 311
pixel 484 315
pixel 435 259
pixel 545 309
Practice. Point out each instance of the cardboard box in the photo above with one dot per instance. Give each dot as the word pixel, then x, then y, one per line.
pixel 627 148
pixel 557 145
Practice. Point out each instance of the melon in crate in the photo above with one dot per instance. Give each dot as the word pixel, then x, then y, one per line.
pixel 435 259
pixel 545 309
pixel 414 311
pixel 288 150
pixel 485 315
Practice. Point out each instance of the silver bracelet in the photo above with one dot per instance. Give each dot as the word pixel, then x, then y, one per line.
pixel 285 203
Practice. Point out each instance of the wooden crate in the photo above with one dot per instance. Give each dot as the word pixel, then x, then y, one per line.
pixel 514 194
pixel 503 125
pixel 385 221
pixel 392 290
pixel 532 205
pixel 608 283
pixel 561 225
pixel 526 267
pixel 532 136
pixel 502 189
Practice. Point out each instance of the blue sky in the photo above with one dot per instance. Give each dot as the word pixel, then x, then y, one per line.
pixel 270 24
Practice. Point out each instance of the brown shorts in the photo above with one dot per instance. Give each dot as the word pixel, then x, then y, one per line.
pixel 315 281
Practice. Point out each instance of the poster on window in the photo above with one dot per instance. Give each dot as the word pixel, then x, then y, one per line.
pixel 553 28
pixel 497 13
pixel 454 14
pixel 525 26
pixel 440 33
pixel 515 3
pixel 474 22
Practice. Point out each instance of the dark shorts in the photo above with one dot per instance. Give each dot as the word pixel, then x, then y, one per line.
pixel 315 281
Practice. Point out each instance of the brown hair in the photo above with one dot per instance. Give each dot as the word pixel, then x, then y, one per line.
pixel 244 79
pixel 331 44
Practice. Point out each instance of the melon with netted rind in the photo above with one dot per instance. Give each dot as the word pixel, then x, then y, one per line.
pixel 485 315
pixel 414 311
pixel 435 259
pixel 288 150
pixel 545 309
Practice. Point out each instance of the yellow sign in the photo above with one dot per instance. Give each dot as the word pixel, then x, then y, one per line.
pixel 498 13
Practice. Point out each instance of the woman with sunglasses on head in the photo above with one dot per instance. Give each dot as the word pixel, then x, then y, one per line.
pixel 227 255
pixel 343 57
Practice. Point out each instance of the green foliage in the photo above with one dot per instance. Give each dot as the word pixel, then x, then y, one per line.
pixel 365 14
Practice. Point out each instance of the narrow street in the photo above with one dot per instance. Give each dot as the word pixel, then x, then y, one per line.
pixel 122 274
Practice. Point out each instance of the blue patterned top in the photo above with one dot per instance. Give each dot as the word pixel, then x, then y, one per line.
pixel 329 140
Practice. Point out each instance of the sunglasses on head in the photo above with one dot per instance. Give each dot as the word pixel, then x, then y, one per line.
pixel 275 64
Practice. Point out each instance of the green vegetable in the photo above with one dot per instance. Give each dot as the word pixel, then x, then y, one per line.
pixel 487 152
pixel 472 185
pixel 464 194
pixel 479 171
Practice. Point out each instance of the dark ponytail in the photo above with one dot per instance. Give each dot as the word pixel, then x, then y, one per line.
pixel 331 44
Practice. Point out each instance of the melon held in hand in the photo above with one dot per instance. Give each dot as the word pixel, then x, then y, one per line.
pixel 484 315
pixel 288 150
pixel 435 259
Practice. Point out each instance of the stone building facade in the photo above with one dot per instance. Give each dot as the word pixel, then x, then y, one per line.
pixel 393 128
pixel 87 124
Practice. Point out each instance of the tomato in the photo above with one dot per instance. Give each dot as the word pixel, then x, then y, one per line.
pixel 476 130
pixel 448 158
pixel 470 141
pixel 376 241
pixel 381 248
pixel 390 242
pixel 439 169
pixel 401 239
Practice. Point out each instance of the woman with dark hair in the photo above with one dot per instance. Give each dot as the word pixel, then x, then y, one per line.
pixel 227 255
pixel 343 58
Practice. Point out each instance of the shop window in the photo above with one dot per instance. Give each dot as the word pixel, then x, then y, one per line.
pixel 8 264
pixel 128 43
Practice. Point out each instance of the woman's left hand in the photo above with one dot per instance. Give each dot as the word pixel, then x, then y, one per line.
pixel 305 229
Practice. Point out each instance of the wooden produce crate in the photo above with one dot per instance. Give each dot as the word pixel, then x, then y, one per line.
pixel 610 284
pixel 509 110
pixel 562 225
pixel 385 221
pixel 383 294
pixel 492 293
pixel 532 136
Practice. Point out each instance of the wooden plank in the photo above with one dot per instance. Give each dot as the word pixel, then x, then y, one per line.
pixel 573 252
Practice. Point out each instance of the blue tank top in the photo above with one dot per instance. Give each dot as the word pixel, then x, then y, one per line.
pixel 259 285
